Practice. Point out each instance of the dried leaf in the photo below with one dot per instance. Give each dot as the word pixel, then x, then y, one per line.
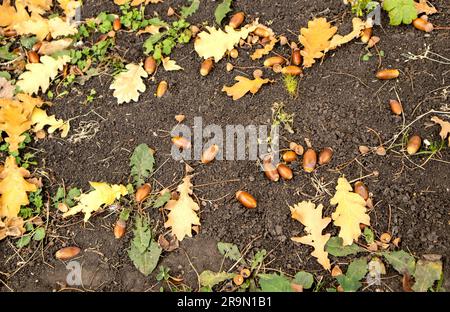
pixel 11 227
pixel 216 42
pixel 170 65
pixel 49 48
pixel 7 13
pixel 60 28
pixel 39 75
pixel 244 85
pixel 182 213
pixel 13 188
pixel 6 89
pixel 128 84
pixel 315 40
pixel 37 6
pixel 350 212
pixel 40 119
pixel 423 7
pixel 338 40
pixel 36 25
pixel 103 194
pixel 259 53
pixel 445 128
pixel 69 7
pixel 427 272
pixel 311 217
pixel 151 29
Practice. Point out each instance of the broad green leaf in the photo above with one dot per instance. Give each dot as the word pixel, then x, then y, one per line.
pixel 141 162
pixel 369 236
pixel 125 214
pixel 209 278
pixel 334 247
pixel 304 278
pixel 350 281
pixel 258 258
pixel 402 261
pixel 23 241
pixel 400 11
pixel 5 75
pixel 28 42
pixel 229 250
pixel 142 235
pixel 427 272
pixel 162 200
pixel 39 234
pixel 222 10
pixel 5 54
pixel 188 11
pixel 274 283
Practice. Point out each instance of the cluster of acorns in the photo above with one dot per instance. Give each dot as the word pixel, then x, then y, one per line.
pixel 273 173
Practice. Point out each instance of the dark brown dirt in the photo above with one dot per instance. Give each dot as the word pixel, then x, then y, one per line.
pixel 332 109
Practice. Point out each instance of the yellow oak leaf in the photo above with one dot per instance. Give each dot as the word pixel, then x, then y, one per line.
pixel 36 25
pixel 151 29
pixel 170 65
pixel 7 13
pixel 350 212
pixel 69 7
pixel 337 40
pixel 39 75
pixel 315 40
pixel 310 216
pixel 215 42
pixel 423 7
pixel 51 47
pixel 182 215
pixel 15 118
pixel 13 188
pixel 103 194
pixel 128 84
pixel 259 53
pixel 37 6
pixel 60 28
pixel 40 119
pixel 445 128
pixel 244 85
pixel 11 227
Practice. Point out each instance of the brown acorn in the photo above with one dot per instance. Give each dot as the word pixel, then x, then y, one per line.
pixel 206 67
pixel 117 24
pixel 422 24
pixel 289 156
pixel 385 238
pixel 142 192
pixel 325 155
pixel 210 154
pixel 285 172
pixel 273 60
pixel 309 160
pixel 373 41
pixel 292 70
pixel 10 33
pixel 361 189
pixel 386 74
pixel 37 46
pixel 261 32
pixel 236 20
pixel 120 228
pixel 246 199
pixel 296 57
pixel 67 253
pixel 181 142
pixel 150 65
pixel 270 171
pixel 161 89
pixel 396 107
pixel 33 57
pixel 297 148
pixel 414 144
pixel 366 34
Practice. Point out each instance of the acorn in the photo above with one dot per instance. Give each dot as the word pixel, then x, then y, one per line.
pixel 396 107
pixel 238 279
pixel 210 154
pixel 361 189
pixel 292 70
pixel 283 40
pixel 297 148
pixel 36 46
pixel 385 238
pixel 229 67
pixel 366 34
pixel 270 171
pixel 117 24
pixel 161 89
pixel 257 73
pixel 142 192
pixel 414 144
pixel 261 32
pixel 206 67
pixel 325 155
pixel 422 24
pixel 234 53
pixel 246 199
pixel 277 68
pixel 285 172
pixel 386 74
pixel 67 253
pixel 33 57
pixel 309 160
pixel 289 156
pixel 194 30
pixel 296 57
pixel 150 65
pixel 373 41
pixel 181 142
pixel 245 273
pixel 120 228
pixel 236 20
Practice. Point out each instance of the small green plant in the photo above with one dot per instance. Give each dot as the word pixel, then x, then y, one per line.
pixel 68 198
pixel 163 274
pixel 400 11
pixel 361 7
pixel 290 83
pixel 91 96
pixel 280 117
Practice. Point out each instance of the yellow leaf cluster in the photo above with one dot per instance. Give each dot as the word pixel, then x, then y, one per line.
pixel 39 75
pixel 350 212
pixel 182 213
pixel 13 188
pixel 244 85
pixel 310 216
pixel 11 227
pixel 215 42
pixel 315 40
pixel 423 7
pixel 128 84
pixel 40 119
pixel 103 194
pixel 445 128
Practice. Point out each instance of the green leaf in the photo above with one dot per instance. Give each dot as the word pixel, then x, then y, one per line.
pixel 5 54
pixel 400 11
pixel 229 250
pixel 141 162
pixel 23 241
pixel 162 200
pixel 125 214
pixel 5 75
pixel 369 236
pixel 142 234
pixel 28 42
pixel 303 278
pixel 402 261
pixel 334 247
pixel 71 195
pixel 355 273
pixel 427 272
pixel 188 11
pixel 222 10
pixel 209 278
pixel 39 234
pixel 274 283
pixel 258 259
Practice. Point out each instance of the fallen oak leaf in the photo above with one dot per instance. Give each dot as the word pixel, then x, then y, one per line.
pixel 49 48
pixel 151 29
pixel 13 227
pixel 423 7
pixel 338 40
pixel 37 6
pixel 128 84
pixel 244 85
pixel 35 24
pixel 170 65
pixel 259 53
pixel 40 119
pixel 60 28
pixel 445 128
pixel 69 7
pixel 6 89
